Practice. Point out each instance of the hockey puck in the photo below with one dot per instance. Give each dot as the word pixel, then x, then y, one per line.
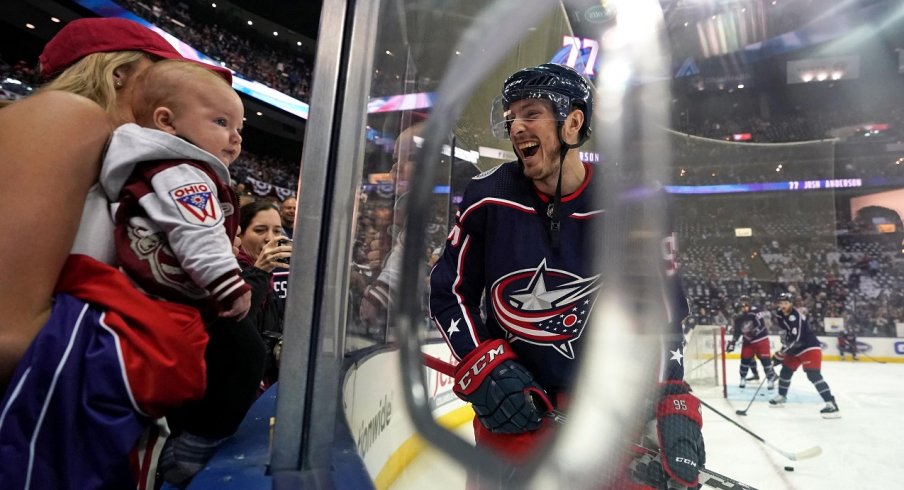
pixel 789 468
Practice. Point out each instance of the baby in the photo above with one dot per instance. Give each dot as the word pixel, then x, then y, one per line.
pixel 174 213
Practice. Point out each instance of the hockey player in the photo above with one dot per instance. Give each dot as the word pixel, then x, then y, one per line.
pixel 847 342
pixel 750 327
pixel 528 341
pixel 799 348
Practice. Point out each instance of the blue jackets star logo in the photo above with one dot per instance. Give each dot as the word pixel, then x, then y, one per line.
pixel 677 356
pixel 544 306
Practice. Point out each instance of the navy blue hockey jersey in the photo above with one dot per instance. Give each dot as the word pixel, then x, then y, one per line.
pixel 539 298
pixel 750 326
pixel 795 331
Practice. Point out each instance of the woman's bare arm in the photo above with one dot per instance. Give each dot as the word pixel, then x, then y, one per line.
pixel 50 155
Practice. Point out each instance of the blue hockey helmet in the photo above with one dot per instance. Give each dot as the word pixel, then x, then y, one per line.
pixel 785 297
pixel 560 84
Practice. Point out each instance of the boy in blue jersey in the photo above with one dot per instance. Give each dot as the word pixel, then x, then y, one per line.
pixel 519 361
pixel 800 347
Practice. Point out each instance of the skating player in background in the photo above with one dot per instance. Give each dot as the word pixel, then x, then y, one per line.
pixel 799 348
pixel 847 342
pixel 520 360
pixel 751 329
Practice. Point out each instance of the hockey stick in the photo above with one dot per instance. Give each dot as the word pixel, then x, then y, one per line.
pixel 698 366
pixel 758 388
pixel 439 365
pixel 864 354
pixel 805 454
pixel 708 477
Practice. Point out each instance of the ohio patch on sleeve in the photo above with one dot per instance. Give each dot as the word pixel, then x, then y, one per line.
pixel 197 204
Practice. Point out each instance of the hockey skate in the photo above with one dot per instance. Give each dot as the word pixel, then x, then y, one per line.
pixel 743 382
pixel 777 402
pixel 770 383
pixel 831 410
pixel 754 377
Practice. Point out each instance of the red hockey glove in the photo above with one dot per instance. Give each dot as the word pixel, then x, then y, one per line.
pixel 502 392
pixel 679 424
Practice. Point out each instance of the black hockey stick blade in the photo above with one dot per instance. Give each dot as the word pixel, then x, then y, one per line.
pixel 755 393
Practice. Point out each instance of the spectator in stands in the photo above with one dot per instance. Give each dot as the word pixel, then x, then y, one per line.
pixel 257 61
pixel 94 418
pixel 287 215
pixel 260 254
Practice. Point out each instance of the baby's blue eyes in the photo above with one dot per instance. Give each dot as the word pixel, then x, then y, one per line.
pixel 221 122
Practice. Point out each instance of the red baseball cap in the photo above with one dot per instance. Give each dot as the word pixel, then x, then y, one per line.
pixel 82 37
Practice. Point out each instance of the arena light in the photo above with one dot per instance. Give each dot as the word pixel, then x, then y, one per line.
pixel 30 26
pixel 250 22
pixel 54 20
pixel 836 75
pixel 806 76
pixel 822 76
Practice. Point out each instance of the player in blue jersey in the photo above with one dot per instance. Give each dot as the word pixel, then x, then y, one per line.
pixel 750 328
pixel 800 347
pixel 519 360
pixel 847 343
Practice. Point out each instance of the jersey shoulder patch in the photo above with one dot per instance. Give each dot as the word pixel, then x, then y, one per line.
pixel 197 203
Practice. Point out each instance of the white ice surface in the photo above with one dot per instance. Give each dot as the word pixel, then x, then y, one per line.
pixel 864 449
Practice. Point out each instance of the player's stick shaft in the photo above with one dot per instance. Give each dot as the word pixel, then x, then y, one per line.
pixel 439 365
pixel 698 366
pixel 808 453
pixel 864 354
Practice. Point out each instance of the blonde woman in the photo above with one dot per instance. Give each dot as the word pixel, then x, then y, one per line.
pixel 86 361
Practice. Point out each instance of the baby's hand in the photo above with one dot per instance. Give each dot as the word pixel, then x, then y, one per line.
pixel 239 307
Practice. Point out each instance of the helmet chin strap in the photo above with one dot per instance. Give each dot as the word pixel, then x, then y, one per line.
pixel 554 210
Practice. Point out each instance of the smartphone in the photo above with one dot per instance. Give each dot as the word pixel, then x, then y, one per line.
pixel 281 242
